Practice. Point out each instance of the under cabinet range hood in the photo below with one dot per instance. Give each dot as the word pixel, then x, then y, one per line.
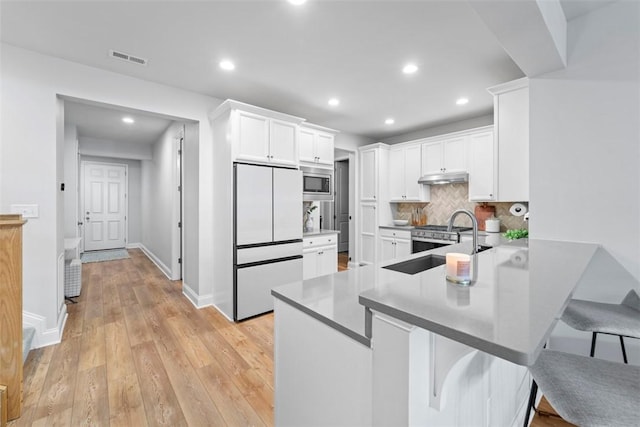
pixel 444 178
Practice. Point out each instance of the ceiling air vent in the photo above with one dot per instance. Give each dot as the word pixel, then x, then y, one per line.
pixel 126 57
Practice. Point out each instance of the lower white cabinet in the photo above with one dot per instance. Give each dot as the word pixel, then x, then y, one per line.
pixel 394 244
pixel 319 255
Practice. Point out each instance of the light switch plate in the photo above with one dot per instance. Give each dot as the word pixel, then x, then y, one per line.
pixel 27 211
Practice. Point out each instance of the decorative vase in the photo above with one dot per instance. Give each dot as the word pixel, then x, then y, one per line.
pixel 308 225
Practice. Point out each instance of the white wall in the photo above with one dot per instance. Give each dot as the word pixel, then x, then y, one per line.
pixel 159 197
pixel 32 138
pixel 351 142
pixel 107 148
pixel 134 200
pixel 190 219
pixel 71 181
pixel 584 140
pixel 585 156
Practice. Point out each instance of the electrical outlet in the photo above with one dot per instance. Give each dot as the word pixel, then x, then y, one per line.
pixel 27 211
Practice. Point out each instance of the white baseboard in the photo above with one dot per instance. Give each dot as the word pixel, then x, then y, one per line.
pixel 134 245
pixel 43 336
pixel 198 301
pixel 154 259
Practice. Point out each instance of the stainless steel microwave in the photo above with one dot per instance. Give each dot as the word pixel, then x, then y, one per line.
pixel 317 184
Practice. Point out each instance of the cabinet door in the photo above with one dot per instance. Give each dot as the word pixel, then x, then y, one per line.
pixel 309 264
pixel 283 148
pixel 369 182
pixel 387 249
pixel 432 158
pixel 455 154
pixel 287 199
pixel 324 148
pixel 412 172
pixel 327 260
pixel 481 167
pixel 397 175
pixel 306 145
pixel 403 248
pixel 252 141
pixel 368 233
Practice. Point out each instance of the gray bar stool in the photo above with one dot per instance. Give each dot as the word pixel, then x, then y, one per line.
pixel 587 391
pixel 599 318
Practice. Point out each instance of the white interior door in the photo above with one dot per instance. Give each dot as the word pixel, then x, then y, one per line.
pixel 104 205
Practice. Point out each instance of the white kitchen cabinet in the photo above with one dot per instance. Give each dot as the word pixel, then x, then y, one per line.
pixel 404 172
pixel 374 196
pixel 447 155
pixel 511 124
pixel 316 145
pixel 368 232
pixel 369 175
pixel 258 138
pixel 394 244
pixel 319 255
pixel 482 175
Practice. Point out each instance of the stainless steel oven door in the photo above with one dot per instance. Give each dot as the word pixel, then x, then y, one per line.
pixel 421 245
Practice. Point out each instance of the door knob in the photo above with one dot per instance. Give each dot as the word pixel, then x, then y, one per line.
pixel 87 218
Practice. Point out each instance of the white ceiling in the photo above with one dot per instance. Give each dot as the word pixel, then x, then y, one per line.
pixel 105 122
pixel 290 59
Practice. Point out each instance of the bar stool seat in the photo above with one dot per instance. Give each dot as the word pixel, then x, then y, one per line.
pixel 587 391
pixel 615 319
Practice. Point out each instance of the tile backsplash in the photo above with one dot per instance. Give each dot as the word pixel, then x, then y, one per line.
pixel 447 198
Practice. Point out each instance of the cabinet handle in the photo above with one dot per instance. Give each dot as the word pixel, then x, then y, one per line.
pixel 320 253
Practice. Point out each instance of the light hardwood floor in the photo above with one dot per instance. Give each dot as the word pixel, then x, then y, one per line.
pixel 135 352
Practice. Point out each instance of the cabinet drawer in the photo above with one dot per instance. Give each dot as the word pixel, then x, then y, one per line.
pixel 320 240
pixel 395 233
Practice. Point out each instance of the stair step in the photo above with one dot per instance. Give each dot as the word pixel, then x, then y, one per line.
pixel 27 338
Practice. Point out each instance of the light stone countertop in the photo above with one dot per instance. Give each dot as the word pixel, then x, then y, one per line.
pixel 398 227
pixel 319 233
pixel 522 288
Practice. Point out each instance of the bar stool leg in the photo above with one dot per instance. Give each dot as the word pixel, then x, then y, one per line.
pixel 624 353
pixel 532 401
pixel 593 344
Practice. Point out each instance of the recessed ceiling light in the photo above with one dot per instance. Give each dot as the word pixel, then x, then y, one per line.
pixel 334 102
pixel 389 121
pixel 462 101
pixel 297 2
pixel 410 68
pixel 227 65
pixel 128 120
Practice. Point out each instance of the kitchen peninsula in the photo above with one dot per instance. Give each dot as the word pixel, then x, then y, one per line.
pixel 372 346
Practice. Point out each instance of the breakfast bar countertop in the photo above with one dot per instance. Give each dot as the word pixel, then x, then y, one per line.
pixel 521 289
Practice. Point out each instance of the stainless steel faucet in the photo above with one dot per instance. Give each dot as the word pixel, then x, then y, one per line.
pixel 474 223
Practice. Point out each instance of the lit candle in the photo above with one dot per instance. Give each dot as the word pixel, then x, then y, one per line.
pixel 458 267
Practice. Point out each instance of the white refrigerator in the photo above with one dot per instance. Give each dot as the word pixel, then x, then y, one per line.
pixel 267 235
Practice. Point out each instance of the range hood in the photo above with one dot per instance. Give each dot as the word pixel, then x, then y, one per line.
pixel 444 178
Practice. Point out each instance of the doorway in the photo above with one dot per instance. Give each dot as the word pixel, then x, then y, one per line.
pixel 104 205
pixel 341 206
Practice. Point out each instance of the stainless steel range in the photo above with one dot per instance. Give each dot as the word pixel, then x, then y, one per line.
pixel 426 237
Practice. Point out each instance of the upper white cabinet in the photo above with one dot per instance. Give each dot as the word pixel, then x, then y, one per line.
pixel 511 124
pixel 404 172
pixel 448 155
pixel 482 167
pixel 316 145
pixel 369 160
pixel 257 135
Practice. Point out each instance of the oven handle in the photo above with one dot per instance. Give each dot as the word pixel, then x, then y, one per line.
pixel 427 240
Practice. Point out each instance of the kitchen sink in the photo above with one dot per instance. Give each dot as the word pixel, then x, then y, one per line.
pixel 417 265
pixel 426 262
